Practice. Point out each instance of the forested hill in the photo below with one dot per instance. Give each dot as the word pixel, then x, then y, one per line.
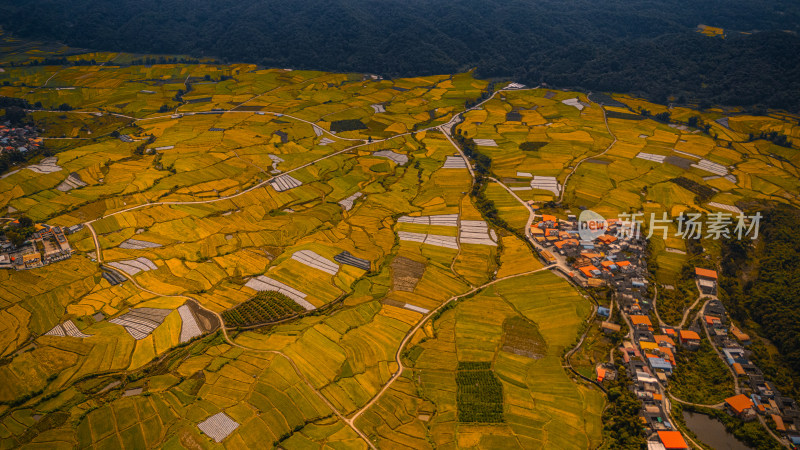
pixel 642 46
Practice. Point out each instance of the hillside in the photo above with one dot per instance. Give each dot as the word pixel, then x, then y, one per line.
pixel 643 46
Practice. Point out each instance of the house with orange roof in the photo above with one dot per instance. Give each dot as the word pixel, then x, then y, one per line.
pixel 740 406
pixel 641 320
pixel 672 440
pixel 664 340
pixel 601 374
pixel 549 218
pixel 590 271
pixel 607 239
pixel 690 339
pixel 706 280
pixel 744 338
pixel 713 321
pixel 779 425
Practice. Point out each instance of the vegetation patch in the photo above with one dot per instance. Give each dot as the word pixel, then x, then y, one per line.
pixel 347 125
pixel 701 376
pixel 532 146
pixel 480 393
pixel 406 273
pixel 265 307
pixel 703 192
pixel 521 337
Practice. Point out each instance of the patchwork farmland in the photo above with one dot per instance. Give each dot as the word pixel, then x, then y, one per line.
pixel 302 259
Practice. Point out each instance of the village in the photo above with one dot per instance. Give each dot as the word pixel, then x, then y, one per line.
pixel 21 139
pixel 47 245
pixel 616 258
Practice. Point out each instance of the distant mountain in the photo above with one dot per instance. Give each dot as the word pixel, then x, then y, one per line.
pixel 643 46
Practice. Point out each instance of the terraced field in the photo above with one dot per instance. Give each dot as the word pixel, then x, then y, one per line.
pixel 301 259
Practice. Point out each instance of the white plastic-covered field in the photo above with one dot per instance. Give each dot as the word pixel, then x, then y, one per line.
pixel 722 206
pixel 134 266
pixel 136 244
pixel 574 102
pixel 651 157
pixel 140 322
pixel 485 142
pixel 67 328
pixel 347 203
pixel 454 162
pixel 546 184
pixel 46 165
pixel 218 427
pixel 189 327
pixel 378 108
pixel 708 166
pixel 447 220
pixel 398 158
pixel 262 283
pixel 476 232
pixel 429 239
pixel 73 181
pixel 316 261
pixel 284 183
pixel 326 141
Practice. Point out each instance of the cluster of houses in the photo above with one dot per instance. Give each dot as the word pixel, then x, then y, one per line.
pixel 614 258
pixel 761 397
pixel 46 246
pixel 18 138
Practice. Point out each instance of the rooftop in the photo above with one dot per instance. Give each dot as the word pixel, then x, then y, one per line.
pixel 700 272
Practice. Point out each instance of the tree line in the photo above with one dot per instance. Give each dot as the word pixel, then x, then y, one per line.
pixel 645 47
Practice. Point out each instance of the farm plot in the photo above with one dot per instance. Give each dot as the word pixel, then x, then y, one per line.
pixel 265 307
pixel 406 273
pixel 263 283
pixel 134 266
pixel 67 328
pixel 140 322
pixel 218 427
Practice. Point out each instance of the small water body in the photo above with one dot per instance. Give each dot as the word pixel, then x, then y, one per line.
pixel 712 432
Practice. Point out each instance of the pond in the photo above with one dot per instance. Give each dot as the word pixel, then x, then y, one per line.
pixel 712 432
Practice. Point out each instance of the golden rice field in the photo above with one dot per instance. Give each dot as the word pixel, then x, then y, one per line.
pixel 271 174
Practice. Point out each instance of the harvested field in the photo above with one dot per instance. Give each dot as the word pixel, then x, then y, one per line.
pixel 521 337
pixel 677 161
pixel 406 273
